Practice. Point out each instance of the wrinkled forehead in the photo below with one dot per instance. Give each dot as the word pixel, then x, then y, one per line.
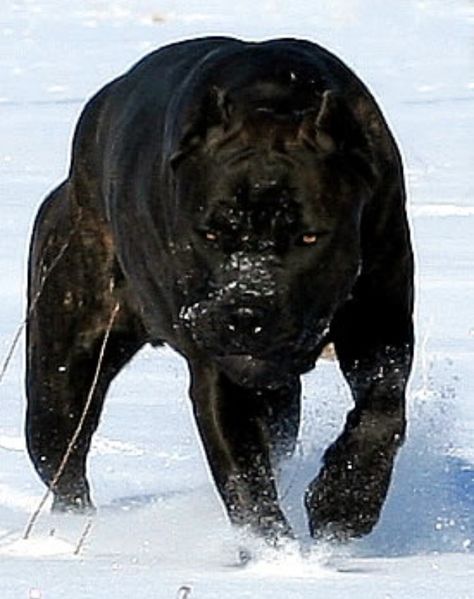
pixel 251 181
pixel 253 191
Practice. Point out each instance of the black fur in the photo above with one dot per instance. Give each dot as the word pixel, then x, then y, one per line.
pixel 245 204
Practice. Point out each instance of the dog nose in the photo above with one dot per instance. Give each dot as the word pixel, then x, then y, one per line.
pixel 246 321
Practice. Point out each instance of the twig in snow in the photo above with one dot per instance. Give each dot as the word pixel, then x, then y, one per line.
pixel 183 592
pixel 84 535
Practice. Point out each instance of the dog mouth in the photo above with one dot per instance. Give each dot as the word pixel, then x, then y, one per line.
pixel 250 371
pixel 273 372
pixel 251 350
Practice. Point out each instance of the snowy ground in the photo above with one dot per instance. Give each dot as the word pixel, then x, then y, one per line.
pixel 160 524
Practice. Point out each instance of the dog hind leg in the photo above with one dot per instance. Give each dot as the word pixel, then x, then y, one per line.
pixel 71 300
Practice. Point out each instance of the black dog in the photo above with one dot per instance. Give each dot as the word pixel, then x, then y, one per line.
pixel 243 203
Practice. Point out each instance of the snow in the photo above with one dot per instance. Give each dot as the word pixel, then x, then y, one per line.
pixel 160 525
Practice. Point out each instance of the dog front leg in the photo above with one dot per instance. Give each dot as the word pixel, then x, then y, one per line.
pixel 235 435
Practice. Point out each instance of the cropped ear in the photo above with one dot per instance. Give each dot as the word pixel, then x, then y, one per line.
pixel 325 128
pixel 334 127
pixel 211 119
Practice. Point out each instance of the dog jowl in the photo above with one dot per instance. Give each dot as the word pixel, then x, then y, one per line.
pixel 243 203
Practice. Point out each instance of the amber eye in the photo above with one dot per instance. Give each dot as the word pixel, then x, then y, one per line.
pixel 210 235
pixel 308 239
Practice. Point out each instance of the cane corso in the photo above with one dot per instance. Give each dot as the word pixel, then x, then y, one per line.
pixel 243 203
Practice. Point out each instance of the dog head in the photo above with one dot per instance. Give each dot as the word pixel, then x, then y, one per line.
pixel 270 193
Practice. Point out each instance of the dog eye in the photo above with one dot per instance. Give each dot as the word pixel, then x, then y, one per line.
pixel 309 238
pixel 210 235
